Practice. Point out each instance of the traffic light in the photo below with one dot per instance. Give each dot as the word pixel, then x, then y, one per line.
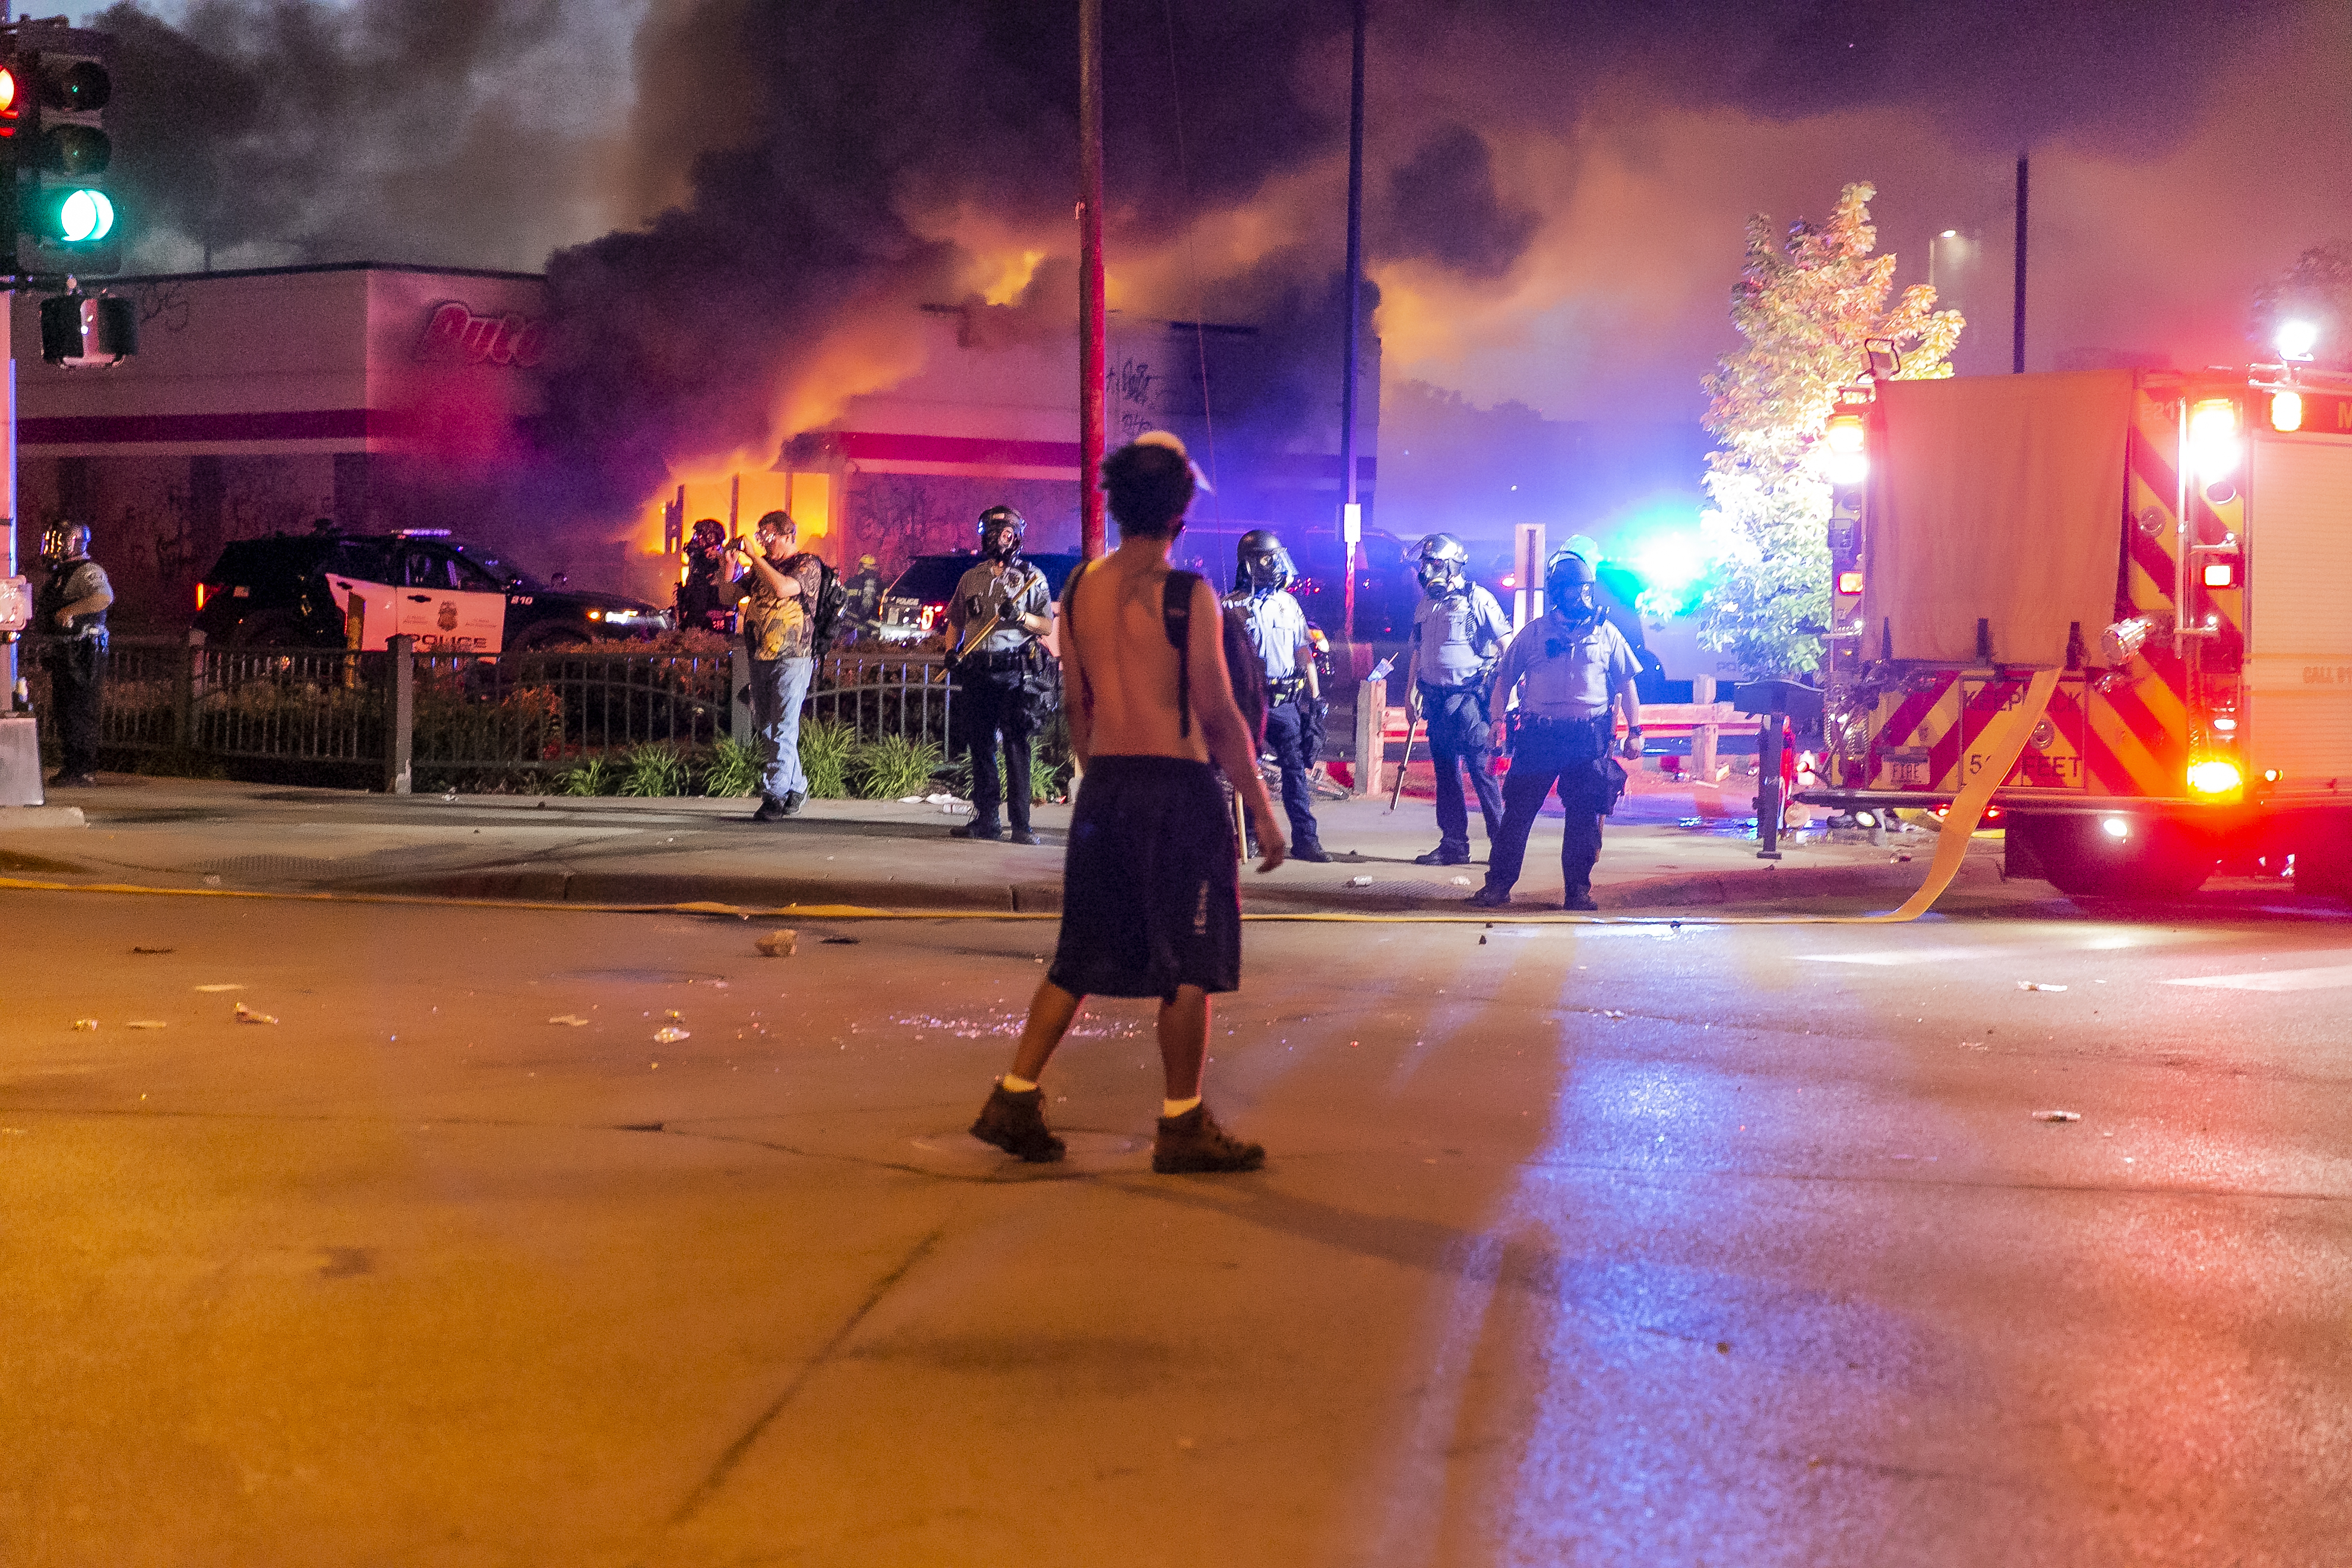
pixel 88 329
pixel 65 220
pixel 12 97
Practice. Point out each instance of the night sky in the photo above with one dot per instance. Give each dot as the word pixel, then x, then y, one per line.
pixel 1554 193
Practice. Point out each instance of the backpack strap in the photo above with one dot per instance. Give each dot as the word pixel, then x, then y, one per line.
pixel 1176 618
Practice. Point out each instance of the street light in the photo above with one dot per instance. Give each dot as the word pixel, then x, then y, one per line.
pixel 1935 245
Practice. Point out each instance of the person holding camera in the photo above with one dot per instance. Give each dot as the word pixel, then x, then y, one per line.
pixel 787 585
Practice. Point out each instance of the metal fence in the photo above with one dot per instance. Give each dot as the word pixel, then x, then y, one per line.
pixel 395 712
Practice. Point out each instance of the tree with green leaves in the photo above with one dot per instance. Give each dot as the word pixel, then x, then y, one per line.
pixel 1807 302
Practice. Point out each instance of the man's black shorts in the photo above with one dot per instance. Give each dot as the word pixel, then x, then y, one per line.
pixel 1150 898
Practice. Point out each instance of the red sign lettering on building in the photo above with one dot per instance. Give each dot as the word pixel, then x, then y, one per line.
pixel 455 335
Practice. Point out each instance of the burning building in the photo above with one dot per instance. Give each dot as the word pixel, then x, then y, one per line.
pixel 383 397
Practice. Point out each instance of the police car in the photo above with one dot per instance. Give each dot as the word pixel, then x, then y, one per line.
pixel 916 605
pixel 342 590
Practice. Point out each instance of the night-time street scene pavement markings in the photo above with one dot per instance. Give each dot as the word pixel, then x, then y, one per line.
pixel 1154 782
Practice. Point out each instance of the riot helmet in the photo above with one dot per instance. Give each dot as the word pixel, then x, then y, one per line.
pixel 1443 565
pixel 1000 530
pixel 708 539
pixel 1260 565
pixel 1572 586
pixel 63 542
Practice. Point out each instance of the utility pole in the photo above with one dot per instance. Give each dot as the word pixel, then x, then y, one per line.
pixel 2017 315
pixel 1092 538
pixel 1351 514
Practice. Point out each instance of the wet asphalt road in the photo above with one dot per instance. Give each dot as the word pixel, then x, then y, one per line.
pixel 1592 1244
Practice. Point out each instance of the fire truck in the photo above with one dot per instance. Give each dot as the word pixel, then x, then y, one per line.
pixel 2176 545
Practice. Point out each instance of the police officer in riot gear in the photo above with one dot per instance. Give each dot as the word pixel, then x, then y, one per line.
pixel 1569 666
pixel 703 596
pixel 1002 679
pixel 70 608
pixel 1277 627
pixel 1459 631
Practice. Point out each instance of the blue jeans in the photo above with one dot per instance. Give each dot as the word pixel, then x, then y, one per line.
pixel 779 687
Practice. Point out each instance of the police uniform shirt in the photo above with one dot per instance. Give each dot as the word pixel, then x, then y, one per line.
pixel 70 583
pixel 977 592
pixel 1457 633
pixel 1276 626
pixel 1568 673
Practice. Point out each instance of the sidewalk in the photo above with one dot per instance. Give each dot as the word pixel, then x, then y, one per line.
pixel 181 833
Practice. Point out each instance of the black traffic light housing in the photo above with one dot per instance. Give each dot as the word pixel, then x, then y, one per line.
pixel 63 218
pixel 80 329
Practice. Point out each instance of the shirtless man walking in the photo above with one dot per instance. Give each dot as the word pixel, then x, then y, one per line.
pixel 1150 905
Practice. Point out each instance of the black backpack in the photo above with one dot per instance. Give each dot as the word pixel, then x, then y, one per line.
pixel 825 615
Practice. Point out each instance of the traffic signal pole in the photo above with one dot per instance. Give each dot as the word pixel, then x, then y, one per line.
pixel 1093 536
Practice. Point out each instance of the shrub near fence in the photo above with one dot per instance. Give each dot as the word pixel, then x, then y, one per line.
pixel 512 718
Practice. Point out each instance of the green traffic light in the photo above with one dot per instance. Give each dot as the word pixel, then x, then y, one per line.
pixel 86 215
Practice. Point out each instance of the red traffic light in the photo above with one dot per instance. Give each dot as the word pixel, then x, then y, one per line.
pixel 7 92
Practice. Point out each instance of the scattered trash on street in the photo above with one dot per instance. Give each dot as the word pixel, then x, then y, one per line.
pixel 1360 882
pixel 245 1015
pixel 1974 1046
pixel 910 800
pixel 780 944
pixel 1459 882
pixel 220 987
pixel 1611 1012
pixel 569 1020
pixel 212 881
pixel 149 951
pixel 840 942
pixel 1482 938
pixel 86 1026
pixel 2037 985
pixel 144 1023
pixel 2057 1116
pixel 669 1034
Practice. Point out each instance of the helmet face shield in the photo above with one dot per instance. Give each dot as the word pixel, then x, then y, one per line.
pixel 1002 529
pixel 1260 562
pixel 65 541
pixel 1443 565
pixel 1572 586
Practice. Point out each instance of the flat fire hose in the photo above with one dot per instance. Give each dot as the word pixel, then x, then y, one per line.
pixel 1952 846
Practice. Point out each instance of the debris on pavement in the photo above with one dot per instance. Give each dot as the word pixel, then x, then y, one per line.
pixel 245 1015
pixel 780 944
pixel 1611 1012
pixel 2057 1116
pixel 149 951
pixel 2037 985
pixel 144 1023
pixel 669 1034
pixel 220 987
pixel 212 881
pixel 1482 938
pixel 839 941
pixel 86 1026
pixel 1360 882
pixel 1459 882
pixel 569 1020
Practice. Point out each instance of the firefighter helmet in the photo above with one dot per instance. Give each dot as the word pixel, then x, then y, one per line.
pixel 994 520
pixel 65 541
pixel 1260 565
pixel 1443 565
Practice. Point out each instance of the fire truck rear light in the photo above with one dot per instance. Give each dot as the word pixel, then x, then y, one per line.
pixel 2220 574
pixel 2287 411
pixel 2270 775
pixel 2213 438
pixel 1849 582
pixel 2214 777
pixel 2115 828
pixel 2225 724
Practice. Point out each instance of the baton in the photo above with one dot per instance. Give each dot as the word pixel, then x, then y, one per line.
pixel 1396 793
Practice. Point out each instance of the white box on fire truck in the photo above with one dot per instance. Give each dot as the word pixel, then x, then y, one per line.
pixel 2201 612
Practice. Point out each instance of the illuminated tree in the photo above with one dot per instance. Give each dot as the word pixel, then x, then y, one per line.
pixel 1806 303
pixel 2318 290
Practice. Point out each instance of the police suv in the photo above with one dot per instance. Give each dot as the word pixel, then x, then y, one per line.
pixel 343 590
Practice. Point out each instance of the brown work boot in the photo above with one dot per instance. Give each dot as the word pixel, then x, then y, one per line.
pixel 1193 1142
pixel 1016 1124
